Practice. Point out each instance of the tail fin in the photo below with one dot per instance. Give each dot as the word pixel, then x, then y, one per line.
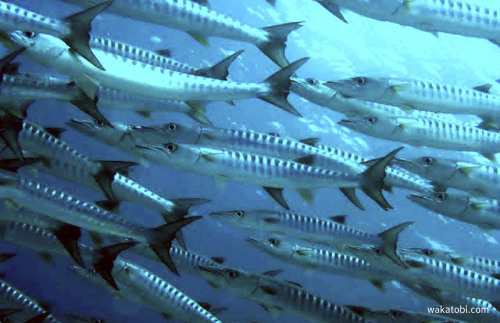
pixel 275 46
pixel 6 256
pixel 160 240
pixel 350 193
pixel 6 66
pixel 10 127
pixel 271 2
pixel 280 87
pixel 180 210
pixel 80 26
pixel 197 112
pixel 374 176
pixel 40 318
pixel 69 235
pixel 220 70
pixel 390 242
pixel 89 106
pixel 105 177
pixel 333 8
pixel 106 259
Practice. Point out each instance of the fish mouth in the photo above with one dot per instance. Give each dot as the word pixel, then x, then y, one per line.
pixel 79 124
pixel 256 242
pixel 403 162
pixel 346 122
pixel 420 197
pixel 211 270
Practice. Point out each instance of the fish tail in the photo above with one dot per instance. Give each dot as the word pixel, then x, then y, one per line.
pixel 80 26
pixel 180 210
pixel 280 87
pixel 390 242
pixel 220 70
pixel 160 240
pixel 274 48
pixel 107 255
pixel 373 181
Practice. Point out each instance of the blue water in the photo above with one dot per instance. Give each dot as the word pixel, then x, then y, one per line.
pixel 337 50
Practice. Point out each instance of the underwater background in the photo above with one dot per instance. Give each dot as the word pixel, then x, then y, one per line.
pixel 338 50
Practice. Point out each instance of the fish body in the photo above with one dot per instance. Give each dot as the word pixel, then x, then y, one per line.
pixel 421 95
pixel 201 22
pixel 149 80
pixel 275 295
pixel 448 16
pixel 428 132
pixel 462 207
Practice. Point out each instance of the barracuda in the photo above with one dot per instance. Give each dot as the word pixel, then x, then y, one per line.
pixel 218 71
pixel 273 174
pixel 151 291
pixel 17 93
pixel 448 16
pixel 127 136
pixel 274 295
pixel 330 232
pixel 69 209
pixel 481 264
pixel 434 276
pixel 201 22
pixel 15 298
pixel 478 179
pixel 394 316
pixel 20 135
pixel 491 316
pixel 422 95
pixel 322 259
pixel 319 93
pixel 428 132
pixel 73 30
pixel 482 212
pixel 152 81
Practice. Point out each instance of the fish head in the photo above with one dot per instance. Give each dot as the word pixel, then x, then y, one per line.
pixel 249 219
pixel 46 48
pixel 97 129
pixel 170 153
pixel 312 89
pixel 169 132
pixel 273 245
pixel 363 88
pixel 371 125
pixel 449 204
pixel 437 169
pixel 229 278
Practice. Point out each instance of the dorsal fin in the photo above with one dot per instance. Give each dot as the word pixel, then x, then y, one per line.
pixel 485 88
pixel 310 141
pixel 164 52
pixel 294 283
pixel 218 260
pixel 306 160
pixel 272 273
pixel 338 218
pixel 55 131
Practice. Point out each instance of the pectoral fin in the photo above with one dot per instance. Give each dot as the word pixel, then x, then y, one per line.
pixel 200 39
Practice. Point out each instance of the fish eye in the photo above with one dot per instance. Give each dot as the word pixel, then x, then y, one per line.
pixel 377 251
pixel 239 214
pixel 395 313
pixel 371 120
pixel 171 126
pixel 428 252
pixel 441 196
pixel 29 34
pixel 92 271
pixel 171 147
pixel 98 321
pixel 274 242
pixel 99 123
pixel 311 81
pixel 427 160
pixel 360 81
pixel 232 274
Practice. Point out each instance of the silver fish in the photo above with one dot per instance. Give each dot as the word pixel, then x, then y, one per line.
pixel 273 174
pixel 328 232
pixel 482 212
pixel 201 22
pixel 152 81
pixel 428 132
pixel 73 30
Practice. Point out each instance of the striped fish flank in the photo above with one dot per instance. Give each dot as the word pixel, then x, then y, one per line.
pixel 156 293
pixel 201 22
pixel 428 132
pixel 15 298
